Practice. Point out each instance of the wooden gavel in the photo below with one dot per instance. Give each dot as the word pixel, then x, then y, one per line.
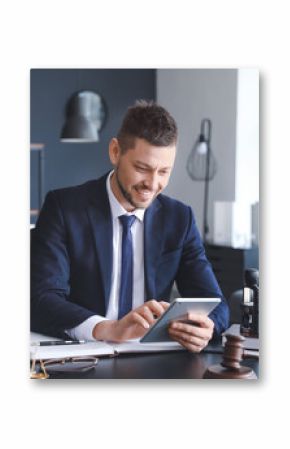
pixel 230 367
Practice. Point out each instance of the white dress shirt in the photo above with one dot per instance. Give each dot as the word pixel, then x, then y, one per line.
pixel 84 330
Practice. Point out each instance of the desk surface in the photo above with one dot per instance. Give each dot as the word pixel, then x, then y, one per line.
pixel 169 365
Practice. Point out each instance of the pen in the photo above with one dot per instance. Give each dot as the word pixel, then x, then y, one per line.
pixel 57 342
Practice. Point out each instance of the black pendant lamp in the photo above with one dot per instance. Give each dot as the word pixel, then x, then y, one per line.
pixel 202 166
pixel 85 117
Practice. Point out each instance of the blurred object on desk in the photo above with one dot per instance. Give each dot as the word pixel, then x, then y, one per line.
pixel 229 265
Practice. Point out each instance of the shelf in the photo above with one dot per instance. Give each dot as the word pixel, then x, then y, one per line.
pixel 37 146
pixel 38 149
pixel 34 212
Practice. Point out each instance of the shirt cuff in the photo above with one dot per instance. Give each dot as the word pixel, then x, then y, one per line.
pixel 84 331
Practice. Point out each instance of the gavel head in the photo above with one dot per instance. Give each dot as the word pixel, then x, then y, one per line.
pixel 233 352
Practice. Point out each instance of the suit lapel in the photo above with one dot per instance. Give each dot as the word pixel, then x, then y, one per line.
pixel 153 243
pixel 99 213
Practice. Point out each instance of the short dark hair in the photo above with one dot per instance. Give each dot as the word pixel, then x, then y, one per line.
pixel 150 121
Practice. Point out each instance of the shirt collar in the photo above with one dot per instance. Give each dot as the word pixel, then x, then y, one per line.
pixel 116 208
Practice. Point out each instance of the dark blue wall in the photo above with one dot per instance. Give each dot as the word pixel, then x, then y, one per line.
pixel 67 163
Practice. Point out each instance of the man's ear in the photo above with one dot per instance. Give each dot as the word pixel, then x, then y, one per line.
pixel 114 151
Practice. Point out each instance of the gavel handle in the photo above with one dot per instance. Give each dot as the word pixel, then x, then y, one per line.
pixel 248 354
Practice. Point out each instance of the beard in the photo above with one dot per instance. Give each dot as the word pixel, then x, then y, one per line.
pixel 127 195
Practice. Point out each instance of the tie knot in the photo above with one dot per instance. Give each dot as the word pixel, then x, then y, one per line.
pixel 127 221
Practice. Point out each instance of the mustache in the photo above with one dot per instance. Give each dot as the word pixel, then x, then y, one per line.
pixel 143 187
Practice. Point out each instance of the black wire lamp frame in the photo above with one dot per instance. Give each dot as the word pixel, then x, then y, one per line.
pixel 208 174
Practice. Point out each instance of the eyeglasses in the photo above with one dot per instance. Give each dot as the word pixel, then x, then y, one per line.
pixel 42 369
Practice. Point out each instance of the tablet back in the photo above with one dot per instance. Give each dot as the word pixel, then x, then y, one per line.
pixel 178 310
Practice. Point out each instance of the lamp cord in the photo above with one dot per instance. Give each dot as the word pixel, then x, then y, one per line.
pixel 207 139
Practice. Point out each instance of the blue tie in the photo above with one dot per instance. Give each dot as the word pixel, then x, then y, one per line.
pixel 126 286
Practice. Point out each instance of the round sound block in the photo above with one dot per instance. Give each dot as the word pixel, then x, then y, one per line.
pixel 219 372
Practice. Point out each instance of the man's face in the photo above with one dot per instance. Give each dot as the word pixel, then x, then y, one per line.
pixel 141 173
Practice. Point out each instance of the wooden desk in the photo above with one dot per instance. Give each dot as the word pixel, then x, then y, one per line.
pixel 170 365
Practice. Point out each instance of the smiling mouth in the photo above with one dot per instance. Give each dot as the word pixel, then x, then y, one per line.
pixel 145 194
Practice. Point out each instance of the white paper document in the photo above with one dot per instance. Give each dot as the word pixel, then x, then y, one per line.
pixel 92 348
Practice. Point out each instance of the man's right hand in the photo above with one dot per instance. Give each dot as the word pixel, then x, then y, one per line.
pixel 133 325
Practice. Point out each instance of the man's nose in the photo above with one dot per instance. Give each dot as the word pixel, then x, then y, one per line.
pixel 152 182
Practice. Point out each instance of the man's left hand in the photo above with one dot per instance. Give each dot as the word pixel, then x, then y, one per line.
pixel 194 336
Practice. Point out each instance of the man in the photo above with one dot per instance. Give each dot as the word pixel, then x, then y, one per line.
pixel 105 254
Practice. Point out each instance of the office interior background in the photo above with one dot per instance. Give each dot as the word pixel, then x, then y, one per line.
pixel 229 98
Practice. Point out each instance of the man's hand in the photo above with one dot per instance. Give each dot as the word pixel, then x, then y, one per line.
pixel 194 336
pixel 133 325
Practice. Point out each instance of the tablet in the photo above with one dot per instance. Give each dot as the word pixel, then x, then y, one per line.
pixel 178 310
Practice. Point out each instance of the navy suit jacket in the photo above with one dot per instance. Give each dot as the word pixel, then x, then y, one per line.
pixel 72 254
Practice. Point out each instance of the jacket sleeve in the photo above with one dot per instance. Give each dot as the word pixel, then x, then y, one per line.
pixel 51 309
pixel 195 277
